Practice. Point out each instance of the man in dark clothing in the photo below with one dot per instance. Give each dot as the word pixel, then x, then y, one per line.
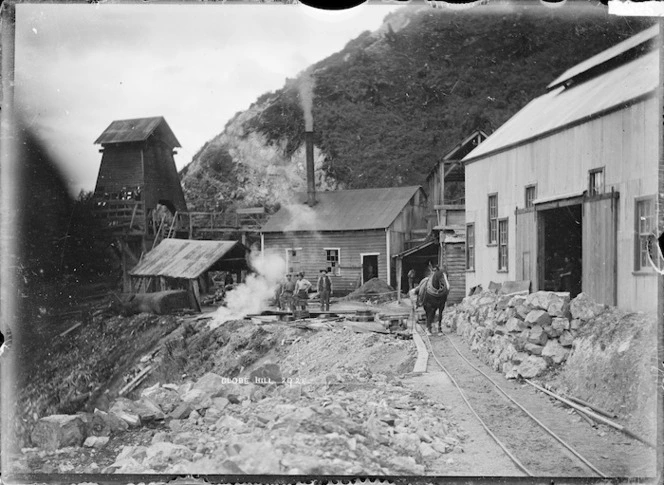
pixel 324 290
pixel 411 279
pixel 287 291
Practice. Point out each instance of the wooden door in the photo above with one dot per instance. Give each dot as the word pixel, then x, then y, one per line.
pixel 599 260
pixel 526 247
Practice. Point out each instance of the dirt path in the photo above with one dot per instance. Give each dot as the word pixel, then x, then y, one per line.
pixel 613 453
pixel 480 455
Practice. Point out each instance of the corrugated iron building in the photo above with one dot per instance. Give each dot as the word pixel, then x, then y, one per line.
pixel 184 264
pixel 353 233
pixel 564 193
pixel 137 163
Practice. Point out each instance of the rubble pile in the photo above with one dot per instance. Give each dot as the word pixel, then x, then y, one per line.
pixel 375 291
pixel 522 335
pixel 350 421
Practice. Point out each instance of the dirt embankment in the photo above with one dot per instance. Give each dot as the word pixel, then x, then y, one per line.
pixel 614 366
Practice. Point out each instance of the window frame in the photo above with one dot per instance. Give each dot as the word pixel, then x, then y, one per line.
pixel 641 266
pixel 290 269
pixel 591 186
pixel 331 268
pixel 470 248
pixel 525 196
pixel 503 245
pixel 494 219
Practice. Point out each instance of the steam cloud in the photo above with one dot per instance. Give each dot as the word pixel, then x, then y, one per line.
pixel 252 295
pixel 306 91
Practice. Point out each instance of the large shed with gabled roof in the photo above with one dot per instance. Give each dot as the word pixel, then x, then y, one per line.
pixel 564 194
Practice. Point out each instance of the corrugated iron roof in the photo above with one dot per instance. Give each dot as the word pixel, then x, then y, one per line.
pixel 450 154
pixel 416 249
pixel 342 210
pixel 563 106
pixel 138 129
pixel 642 37
pixel 183 258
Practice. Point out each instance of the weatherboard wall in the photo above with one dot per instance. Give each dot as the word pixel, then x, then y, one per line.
pixel 149 165
pixel 624 142
pixel 351 245
pixel 162 182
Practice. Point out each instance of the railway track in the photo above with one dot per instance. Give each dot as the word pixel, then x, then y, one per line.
pixel 544 453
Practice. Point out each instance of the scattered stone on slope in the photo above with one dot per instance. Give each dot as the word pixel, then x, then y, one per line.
pixel 584 308
pixel 58 431
pixel 532 367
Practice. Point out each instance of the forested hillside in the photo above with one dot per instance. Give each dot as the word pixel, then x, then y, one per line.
pixel 392 102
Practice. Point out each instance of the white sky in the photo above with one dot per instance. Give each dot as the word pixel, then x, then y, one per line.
pixel 79 67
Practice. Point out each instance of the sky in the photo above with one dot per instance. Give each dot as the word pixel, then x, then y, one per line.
pixel 79 67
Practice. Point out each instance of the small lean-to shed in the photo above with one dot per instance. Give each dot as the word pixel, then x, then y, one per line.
pixel 352 233
pixel 184 264
pixel 564 194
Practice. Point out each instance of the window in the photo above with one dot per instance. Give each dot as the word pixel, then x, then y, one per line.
pixel 595 181
pixel 645 227
pixel 531 194
pixel 332 259
pixel 293 261
pixel 470 247
pixel 493 218
pixel 502 245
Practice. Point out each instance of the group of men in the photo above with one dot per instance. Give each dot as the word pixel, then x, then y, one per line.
pixel 293 294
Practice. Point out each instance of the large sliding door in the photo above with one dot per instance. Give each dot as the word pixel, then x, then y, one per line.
pixel 600 215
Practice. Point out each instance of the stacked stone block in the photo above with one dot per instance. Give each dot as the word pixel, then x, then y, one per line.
pixel 524 334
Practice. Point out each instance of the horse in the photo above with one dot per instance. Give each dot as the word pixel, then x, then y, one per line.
pixel 432 295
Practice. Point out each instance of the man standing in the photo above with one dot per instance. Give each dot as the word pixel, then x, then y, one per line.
pixel 411 279
pixel 324 290
pixel 287 291
pixel 302 287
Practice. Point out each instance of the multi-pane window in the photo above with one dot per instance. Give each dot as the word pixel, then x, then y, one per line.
pixel 493 218
pixel 595 181
pixel 645 226
pixel 470 246
pixel 531 194
pixel 502 245
pixel 332 259
pixel 293 260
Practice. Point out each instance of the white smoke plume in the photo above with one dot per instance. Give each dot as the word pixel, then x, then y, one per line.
pixel 306 90
pixel 253 295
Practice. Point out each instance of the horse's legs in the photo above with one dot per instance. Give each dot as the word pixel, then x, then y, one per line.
pixel 430 313
pixel 440 315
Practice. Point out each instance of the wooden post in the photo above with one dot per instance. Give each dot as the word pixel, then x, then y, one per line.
pixel 194 295
pixel 191 226
pixel 399 270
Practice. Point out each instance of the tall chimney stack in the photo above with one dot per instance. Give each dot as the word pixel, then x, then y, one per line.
pixel 309 153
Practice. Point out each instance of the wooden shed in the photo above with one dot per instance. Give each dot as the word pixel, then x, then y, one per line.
pixel 351 233
pixel 185 263
pixel 138 164
pixel 564 193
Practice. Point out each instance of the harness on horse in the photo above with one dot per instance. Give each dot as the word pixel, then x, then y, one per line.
pixel 437 292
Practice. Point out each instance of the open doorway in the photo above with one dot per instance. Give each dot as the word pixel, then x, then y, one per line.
pixel 369 267
pixel 561 246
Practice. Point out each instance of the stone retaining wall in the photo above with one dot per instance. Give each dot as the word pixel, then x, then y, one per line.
pixel 525 334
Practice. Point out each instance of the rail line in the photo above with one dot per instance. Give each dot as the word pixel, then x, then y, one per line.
pixel 500 444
